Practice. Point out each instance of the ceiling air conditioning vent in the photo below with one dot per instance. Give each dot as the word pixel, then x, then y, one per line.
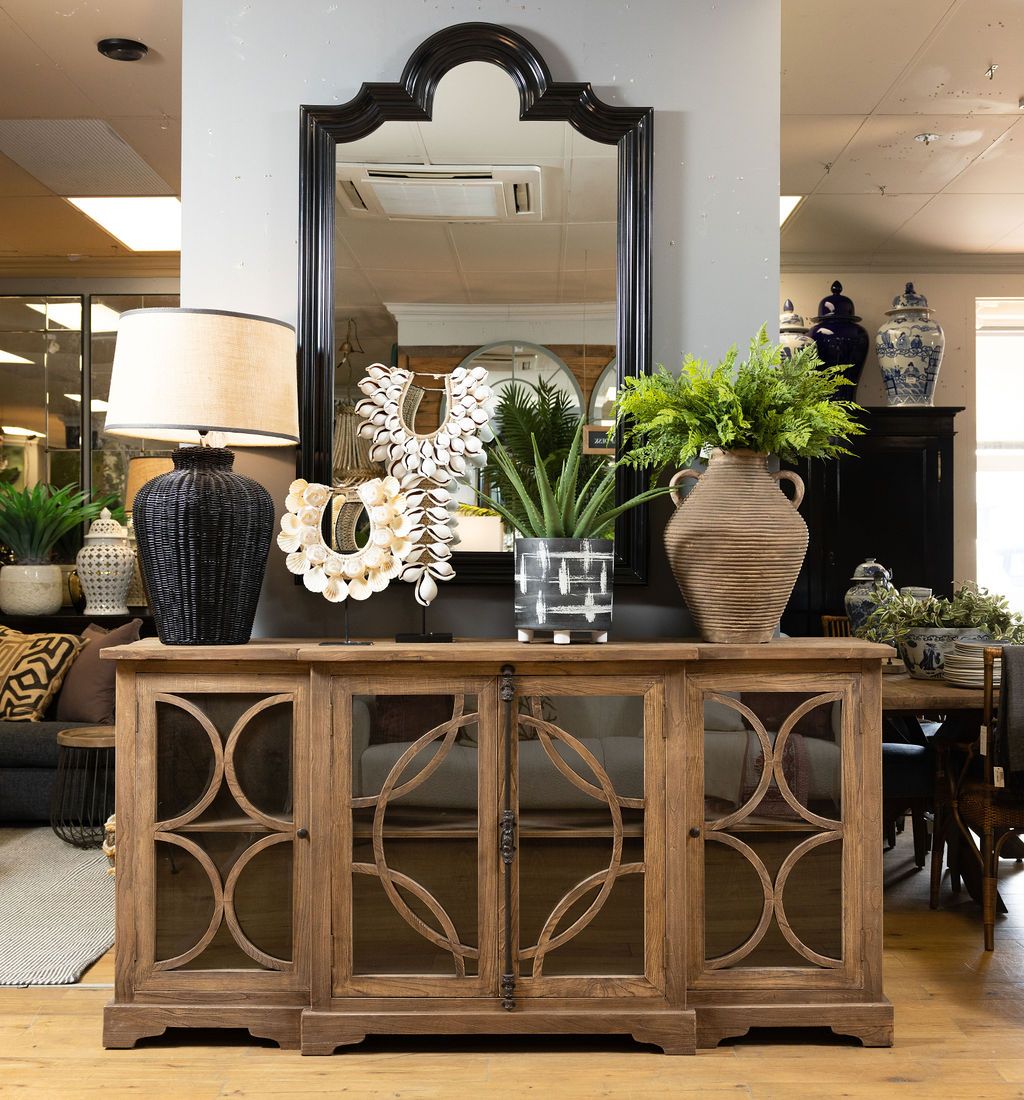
pixel 459 193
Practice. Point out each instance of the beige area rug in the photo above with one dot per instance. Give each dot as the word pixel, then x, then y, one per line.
pixel 56 908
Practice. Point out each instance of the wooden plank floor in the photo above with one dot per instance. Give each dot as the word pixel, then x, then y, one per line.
pixel 959 1033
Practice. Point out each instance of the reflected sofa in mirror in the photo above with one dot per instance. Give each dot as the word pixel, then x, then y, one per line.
pixel 474 213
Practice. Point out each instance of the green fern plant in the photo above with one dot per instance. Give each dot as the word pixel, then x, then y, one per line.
pixel 771 403
pixel 32 521
pixel 529 411
pixel 563 508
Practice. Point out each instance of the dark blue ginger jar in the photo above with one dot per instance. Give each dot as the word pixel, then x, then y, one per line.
pixel 841 340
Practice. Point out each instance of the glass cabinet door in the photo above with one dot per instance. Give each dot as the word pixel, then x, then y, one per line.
pixel 587 789
pixel 225 775
pixel 414 886
pixel 775 818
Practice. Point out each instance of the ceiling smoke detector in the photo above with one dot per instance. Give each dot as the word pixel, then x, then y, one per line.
pixel 122 49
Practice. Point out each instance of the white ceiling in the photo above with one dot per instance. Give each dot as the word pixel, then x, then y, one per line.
pixel 859 81
pixel 51 69
pixel 567 256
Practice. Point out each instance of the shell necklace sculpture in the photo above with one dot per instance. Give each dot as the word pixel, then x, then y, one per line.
pixel 429 467
pixel 356 575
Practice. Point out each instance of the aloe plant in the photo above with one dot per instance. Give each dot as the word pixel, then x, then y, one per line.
pixel 563 509
pixel 33 520
pixel 525 410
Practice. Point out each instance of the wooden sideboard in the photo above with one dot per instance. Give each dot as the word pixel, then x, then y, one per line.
pixel 672 840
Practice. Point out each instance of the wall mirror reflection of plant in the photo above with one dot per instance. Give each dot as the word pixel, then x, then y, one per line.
pixel 544 412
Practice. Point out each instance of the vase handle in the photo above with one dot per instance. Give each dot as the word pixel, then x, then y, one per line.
pixel 678 478
pixel 798 485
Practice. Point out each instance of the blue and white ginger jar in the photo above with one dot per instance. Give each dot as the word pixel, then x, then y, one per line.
pixel 792 330
pixel 871 582
pixel 909 347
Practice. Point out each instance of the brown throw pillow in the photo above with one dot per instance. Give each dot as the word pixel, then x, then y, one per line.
pixel 32 668
pixel 88 694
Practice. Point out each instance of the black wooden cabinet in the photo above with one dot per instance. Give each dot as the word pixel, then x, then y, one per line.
pixel 891 500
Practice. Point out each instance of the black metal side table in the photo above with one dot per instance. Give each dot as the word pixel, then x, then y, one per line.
pixel 83 796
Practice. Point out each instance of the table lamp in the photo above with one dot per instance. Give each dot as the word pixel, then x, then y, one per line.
pixel 141 468
pixel 216 380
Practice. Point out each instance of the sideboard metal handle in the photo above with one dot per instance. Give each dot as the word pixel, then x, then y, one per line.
pixel 695 832
pixel 302 834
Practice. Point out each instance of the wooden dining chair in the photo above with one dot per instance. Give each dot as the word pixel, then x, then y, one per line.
pixel 836 626
pixel 984 805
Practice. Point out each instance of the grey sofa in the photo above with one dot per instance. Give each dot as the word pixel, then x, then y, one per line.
pixel 28 768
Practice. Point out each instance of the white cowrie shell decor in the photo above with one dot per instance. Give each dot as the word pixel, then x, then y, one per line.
pixel 357 575
pixel 430 466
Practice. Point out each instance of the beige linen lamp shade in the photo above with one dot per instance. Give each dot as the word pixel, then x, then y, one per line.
pixel 140 470
pixel 181 372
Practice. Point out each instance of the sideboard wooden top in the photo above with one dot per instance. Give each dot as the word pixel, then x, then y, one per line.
pixel 466 650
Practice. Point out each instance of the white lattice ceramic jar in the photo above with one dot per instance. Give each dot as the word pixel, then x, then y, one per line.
pixel 105 565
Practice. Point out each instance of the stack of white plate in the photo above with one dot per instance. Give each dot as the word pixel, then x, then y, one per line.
pixel 965 666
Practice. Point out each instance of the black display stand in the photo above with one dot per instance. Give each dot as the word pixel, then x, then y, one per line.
pixel 347 640
pixel 424 635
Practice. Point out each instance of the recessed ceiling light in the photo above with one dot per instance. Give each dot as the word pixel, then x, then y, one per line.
pixel 69 315
pixel 122 49
pixel 10 429
pixel 787 204
pixel 926 139
pixel 10 357
pixel 96 405
pixel 150 223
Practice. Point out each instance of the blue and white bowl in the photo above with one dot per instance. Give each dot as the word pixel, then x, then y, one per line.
pixel 924 648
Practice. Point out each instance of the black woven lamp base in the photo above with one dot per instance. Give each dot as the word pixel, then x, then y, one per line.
pixel 203 533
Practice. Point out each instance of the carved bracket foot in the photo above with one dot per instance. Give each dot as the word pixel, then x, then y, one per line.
pixel 880 1036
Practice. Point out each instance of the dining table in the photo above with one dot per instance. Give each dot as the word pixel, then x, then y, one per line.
pixel 904 694
pixel 908 700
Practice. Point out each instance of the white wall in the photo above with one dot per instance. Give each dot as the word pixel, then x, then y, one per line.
pixel 711 71
pixel 952 296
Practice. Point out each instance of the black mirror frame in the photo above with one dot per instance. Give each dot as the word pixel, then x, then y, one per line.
pixel 411 99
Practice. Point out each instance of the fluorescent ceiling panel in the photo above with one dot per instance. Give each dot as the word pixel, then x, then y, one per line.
pixel 69 315
pixel 95 405
pixel 143 224
pixel 78 156
pixel 10 357
pixel 787 204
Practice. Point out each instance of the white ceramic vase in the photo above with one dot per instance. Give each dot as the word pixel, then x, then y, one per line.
pixel 31 589
pixel 105 565
pixel 909 347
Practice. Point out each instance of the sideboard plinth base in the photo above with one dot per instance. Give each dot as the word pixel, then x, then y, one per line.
pixel 871 1022
pixel 674 1031
pixel 125 1024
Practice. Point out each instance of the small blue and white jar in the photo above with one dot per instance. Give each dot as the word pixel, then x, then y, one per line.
pixel 909 347
pixel 792 331
pixel 871 583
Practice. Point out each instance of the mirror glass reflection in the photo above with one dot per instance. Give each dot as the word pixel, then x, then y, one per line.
pixel 475 239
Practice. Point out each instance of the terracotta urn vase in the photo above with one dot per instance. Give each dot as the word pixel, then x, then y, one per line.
pixel 736 544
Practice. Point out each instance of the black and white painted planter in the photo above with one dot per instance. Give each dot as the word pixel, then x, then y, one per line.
pixel 564 587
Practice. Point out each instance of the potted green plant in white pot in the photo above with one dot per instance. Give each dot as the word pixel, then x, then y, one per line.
pixel 924 631
pixel 736 543
pixel 564 548
pixel 32 521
